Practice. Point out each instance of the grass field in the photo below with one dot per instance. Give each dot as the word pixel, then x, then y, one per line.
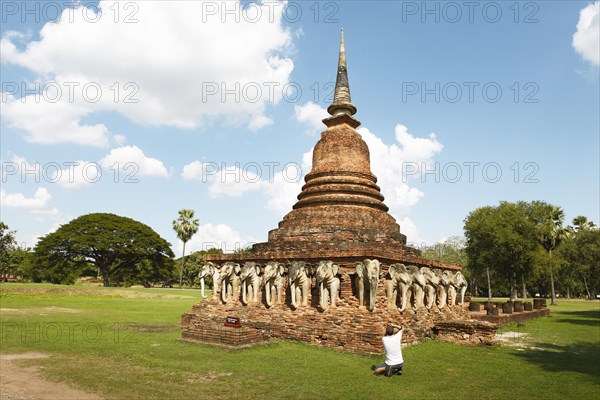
pixel 122 344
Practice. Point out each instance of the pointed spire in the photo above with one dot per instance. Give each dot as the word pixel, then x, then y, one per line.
pixel 342 104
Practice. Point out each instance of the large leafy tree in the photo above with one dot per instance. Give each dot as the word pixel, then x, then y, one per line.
pixel 111 243
pixel 580 256
pixel 185 226
pixel 549 220
pixel 501 240
pixel 7 246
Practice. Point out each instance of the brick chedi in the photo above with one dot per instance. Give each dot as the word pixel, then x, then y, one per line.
pixel 340 213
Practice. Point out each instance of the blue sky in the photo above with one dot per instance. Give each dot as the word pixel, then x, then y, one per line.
pixel 150 107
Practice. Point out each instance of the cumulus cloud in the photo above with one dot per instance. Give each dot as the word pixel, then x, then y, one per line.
pixel 586 41
pixel 133 162
pixel 38 204
pixel 220 236
pixel 153 70
pixel 311 114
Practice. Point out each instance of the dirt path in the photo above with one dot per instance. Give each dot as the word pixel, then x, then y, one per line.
pixel 26 383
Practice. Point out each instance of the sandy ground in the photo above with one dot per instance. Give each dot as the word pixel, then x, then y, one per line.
pixel 25 383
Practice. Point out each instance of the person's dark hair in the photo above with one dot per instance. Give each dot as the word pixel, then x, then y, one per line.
pixel 389 330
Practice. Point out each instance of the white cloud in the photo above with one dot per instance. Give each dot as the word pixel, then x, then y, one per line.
pixel 77 175
pixel 153 71
pixel 197 170
pixel 38 204
pixel 586 41
pixel 387 163
pixel 282 191
pixel 132 161
pixel 234 181
pixel 119 139
pixel 312 115
pixel 221 236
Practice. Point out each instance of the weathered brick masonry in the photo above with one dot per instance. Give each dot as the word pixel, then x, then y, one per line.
pixel 344 328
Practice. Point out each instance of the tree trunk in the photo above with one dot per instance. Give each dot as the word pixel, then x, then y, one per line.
pixel 552 292
pixel 568 293
pixel 587 289
pixel 181 270
pixel 524 287
pixel 489 284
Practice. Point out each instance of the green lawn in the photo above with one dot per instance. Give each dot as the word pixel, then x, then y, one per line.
pixel 122 343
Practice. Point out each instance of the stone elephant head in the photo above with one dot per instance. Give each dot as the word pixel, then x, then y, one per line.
pixel 250 280
pixel 460 282
pixel 328 283
pixel 443 287
pixel 418 286
pixel 299 274
pixel 212 270
pixel 398 280
pixel 432 281
pixel 230 280
pixel 368 274
pixel 274 282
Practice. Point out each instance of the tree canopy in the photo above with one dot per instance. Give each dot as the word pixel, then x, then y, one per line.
pixel 113 244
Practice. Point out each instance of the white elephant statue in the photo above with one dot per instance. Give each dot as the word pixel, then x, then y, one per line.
pixel 328 284
pixel 250 280
pixel 398 280
pixel 460 283
pixel 432 281
pixel 210 269
pixel 367 273
pixel 418 286
pixel 230 281
pixel 443 288
pixel 299 274
pixel 274 283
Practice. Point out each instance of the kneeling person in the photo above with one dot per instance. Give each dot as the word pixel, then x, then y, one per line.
pixel 392 343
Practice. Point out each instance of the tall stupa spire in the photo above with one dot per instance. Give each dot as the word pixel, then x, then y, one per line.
pixel 342 103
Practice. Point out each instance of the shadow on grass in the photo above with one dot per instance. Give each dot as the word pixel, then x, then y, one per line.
pixel 587 317
pixel 580 357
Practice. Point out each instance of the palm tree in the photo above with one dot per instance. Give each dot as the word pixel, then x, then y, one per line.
pixel 582 223
pixel 185 227
pixel 551 236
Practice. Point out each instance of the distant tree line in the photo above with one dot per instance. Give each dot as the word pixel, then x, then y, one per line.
pixel 522 249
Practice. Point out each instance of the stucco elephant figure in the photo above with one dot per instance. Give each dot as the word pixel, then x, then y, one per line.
pixel 250 279
pixel 398 280
pixel 210 269
pixel 367 272
pixel 418 286
pixel 443 288
pixel 274 283
pixel 299 281
pixel 432 281
pixel 328 284
pixel 460 282
pixel 230 281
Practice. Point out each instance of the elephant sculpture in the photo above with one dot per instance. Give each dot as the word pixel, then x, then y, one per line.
pixel 299 282
pixel 230 281
pixel 458 285
pixel 398 280
pixel 461 285
pixel 367 273
pixel 210 269
pixel 418 285
pixel 274 283
pixel 328 284
pixel 432 281
pixel 443 288
pixel 250 279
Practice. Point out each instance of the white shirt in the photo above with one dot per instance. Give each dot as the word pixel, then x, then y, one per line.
pixel 393 348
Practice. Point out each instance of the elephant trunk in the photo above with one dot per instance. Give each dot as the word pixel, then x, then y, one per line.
pixel 245 292
pixel 372 294
pixel 202 288
pixel 224 291
pixel 323 301
pixel 293 294
pixel 268 294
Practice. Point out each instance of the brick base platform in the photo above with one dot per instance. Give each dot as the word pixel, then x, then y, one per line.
pixel 345 328
pixel 514 318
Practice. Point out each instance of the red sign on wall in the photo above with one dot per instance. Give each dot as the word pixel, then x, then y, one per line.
pixel 233 322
